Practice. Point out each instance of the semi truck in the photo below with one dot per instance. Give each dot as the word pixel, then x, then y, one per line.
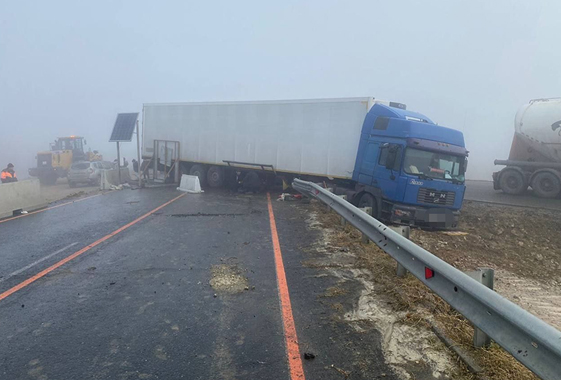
pixel 403 166
pixel 535 154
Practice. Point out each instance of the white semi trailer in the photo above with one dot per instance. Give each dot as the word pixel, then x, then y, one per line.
pixel 535 154
pixel 399 163
pixel 293 137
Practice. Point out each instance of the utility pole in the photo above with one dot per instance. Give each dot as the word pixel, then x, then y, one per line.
pixel 138 153
pixel 119 162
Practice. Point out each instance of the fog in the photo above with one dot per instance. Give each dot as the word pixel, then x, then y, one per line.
pixel 67 68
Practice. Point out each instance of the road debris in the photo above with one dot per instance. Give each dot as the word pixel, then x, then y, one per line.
pixel 228 279
pixel 289 197
pixel 342 372
pixel 454 233
pixel 309 356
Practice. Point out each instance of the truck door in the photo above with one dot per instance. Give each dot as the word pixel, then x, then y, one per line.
pixel 368 163
pixel 387 170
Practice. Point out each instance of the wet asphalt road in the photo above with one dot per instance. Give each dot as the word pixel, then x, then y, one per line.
pixel 139 305
pixel 482 191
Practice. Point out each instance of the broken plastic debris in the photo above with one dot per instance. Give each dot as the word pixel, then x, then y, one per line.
pixel 289 197
pixel 309 356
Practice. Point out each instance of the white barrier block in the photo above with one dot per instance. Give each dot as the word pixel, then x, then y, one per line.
pixel 110 178
pixel 190 184
pixel 23 195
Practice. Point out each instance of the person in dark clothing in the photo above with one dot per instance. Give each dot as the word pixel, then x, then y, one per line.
pixel 135 165
pixel 9 175
pixel 144 169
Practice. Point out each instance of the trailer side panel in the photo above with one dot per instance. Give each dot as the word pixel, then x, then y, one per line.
pixel 318 137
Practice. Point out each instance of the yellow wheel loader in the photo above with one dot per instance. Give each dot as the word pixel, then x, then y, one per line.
pixel 64 152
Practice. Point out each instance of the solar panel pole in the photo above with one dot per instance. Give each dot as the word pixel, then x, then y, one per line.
pixel 138 153
pixel 119 162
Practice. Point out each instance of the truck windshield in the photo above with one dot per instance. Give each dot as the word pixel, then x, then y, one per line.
pixel 434 165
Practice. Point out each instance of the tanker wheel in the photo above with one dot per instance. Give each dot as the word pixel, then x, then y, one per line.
pixel 215 176
pixel 546 185
pixel 200 172
pixel 512 182
pixel 367 200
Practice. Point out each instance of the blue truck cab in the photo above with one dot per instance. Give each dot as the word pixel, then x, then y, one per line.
pixel 410 170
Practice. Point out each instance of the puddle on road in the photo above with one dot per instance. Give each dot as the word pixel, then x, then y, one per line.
pixel 228 279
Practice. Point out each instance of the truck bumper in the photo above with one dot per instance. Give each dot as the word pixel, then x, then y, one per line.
pixel 437 218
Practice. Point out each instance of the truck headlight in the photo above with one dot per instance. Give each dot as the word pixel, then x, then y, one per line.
pixel 402 213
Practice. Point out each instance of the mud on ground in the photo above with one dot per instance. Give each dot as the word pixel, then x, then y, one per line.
pixel 522 245
pixel 523 241
pixel 61 190
pixel 409 348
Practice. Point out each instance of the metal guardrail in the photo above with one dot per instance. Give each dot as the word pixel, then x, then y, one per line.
pixel 530 340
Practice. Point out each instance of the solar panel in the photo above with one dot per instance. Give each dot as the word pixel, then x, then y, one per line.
pixel 124 127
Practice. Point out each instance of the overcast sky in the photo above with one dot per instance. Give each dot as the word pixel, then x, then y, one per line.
pixel 68 67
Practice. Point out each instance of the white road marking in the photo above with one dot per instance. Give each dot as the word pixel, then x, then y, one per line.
pixel 36 262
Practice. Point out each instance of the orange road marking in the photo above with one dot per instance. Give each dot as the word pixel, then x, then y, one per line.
pixel 47 208
pixel 292 348
pixel 34 278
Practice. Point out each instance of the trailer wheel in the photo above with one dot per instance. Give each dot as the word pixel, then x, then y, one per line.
pixel 546 185
pixel 512 182
pixel 367 200
pixel 200 172
pixel 215 176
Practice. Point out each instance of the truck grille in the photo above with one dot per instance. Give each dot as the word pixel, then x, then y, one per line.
pixel 436 197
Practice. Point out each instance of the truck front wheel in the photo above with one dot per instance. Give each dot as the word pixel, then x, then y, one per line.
pixel 512 182
pixel 215 176
pixel 367 200
pixel 546 185
pixel 200 172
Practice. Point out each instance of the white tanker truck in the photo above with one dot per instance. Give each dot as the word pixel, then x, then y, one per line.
pixel 535 154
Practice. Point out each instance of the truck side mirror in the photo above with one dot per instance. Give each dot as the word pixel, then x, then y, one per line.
pixel 390 159
pixel 466 165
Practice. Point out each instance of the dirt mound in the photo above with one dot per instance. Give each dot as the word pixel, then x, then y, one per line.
pixel 522 241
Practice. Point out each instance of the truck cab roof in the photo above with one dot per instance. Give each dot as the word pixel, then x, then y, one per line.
pixel 412 126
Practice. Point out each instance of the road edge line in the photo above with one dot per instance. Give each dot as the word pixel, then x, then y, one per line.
pixel 289 327
pixel 44 272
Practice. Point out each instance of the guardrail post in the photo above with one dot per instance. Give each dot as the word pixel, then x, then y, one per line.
pixel 367 210
pixel 343 220
pixel 485 276
pixel 327 204
pixel 404 231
